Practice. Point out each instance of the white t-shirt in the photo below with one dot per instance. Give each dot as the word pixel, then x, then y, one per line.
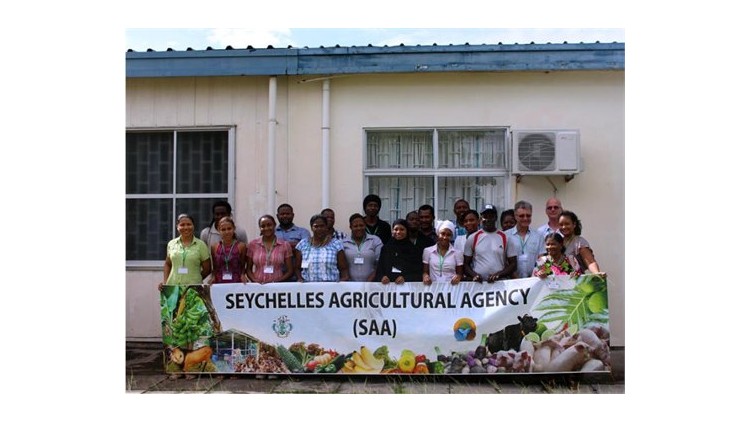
pixel 488 252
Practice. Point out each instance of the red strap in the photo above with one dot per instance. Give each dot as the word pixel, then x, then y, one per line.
pixel 481 231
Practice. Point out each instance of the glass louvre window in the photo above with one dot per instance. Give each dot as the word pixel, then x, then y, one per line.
pixel 408 168
pixel 168 173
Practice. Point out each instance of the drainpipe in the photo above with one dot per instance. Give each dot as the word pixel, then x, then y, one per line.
pixel 271 187
pixel 326 126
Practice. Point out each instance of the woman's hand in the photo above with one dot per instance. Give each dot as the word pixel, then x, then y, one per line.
pixel 477 278
pixel 385 280
pixel 455 279
pixel 426 279
pixel 400 279
pixel 161 286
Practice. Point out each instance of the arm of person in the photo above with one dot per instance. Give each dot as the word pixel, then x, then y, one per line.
pixel 458 277
pixel 167 271
pixel 378 248
pixel 298 264
pixel 589 260
pixel 508 270
pixel 343 266
pixel 205 268
pixel 290 268
pixel 469 271
pixel 426 274
pixel 382 270
pixel 243 262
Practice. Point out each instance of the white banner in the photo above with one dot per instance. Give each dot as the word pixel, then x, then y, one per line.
pixel 375 328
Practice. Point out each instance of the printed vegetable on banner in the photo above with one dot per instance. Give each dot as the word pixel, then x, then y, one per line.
pixel 530 325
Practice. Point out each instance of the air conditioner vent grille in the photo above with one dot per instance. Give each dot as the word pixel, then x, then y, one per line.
pixel 536 152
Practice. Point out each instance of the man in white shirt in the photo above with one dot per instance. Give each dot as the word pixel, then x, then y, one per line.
pixel 553 209
pixel 528 243
pixel 487 250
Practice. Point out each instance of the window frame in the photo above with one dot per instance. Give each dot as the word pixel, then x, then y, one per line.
pixel 174 196
pixel 435 171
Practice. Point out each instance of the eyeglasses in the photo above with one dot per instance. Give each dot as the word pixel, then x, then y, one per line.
pixel 553 207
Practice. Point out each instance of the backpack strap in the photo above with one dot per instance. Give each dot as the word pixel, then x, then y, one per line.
pixel 502 236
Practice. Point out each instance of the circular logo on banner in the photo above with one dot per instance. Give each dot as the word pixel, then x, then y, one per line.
pixel 282 326
pixel 464 329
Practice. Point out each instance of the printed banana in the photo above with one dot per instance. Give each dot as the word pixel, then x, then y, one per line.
pixel 360 362
pixel 370 360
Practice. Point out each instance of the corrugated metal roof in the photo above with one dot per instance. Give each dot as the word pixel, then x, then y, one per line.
pixel 372 59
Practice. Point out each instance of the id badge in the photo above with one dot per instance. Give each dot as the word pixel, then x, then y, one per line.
pixel 305 264
pixel 268 270
pixel 553 283
pixel 226 276
pixel 395 270
pixel 359 260
pixel 523 258
pixel 182 270
pixel 443 278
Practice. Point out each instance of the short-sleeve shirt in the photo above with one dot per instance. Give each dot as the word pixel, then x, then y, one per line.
pixel 189 258
pixel 545 230
pixel 573 248
pixel 442 269
pixel 528 248
pixel 320 264
pixel 488 253
pixel 211 236
pixel 227 263
pixel 259 258
pixel 293 235
pixel 362 258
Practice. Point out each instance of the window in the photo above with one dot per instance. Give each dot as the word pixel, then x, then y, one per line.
pixel 169 172
pixel 408 168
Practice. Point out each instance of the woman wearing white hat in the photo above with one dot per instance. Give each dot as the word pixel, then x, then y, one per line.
pixel 441 262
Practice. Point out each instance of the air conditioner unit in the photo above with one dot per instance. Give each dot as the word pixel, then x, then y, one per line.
pixel 546 152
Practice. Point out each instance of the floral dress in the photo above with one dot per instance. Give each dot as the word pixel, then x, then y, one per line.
pixel 566 265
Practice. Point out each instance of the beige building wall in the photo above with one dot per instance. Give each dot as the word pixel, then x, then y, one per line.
pixel 592 102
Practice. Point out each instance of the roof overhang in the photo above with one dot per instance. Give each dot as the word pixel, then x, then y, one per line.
pixel 361 60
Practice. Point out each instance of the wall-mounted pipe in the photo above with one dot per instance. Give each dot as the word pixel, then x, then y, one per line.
pixel 326 159
pixel 271 187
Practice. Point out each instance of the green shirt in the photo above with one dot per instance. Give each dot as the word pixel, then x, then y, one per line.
pixel 189 258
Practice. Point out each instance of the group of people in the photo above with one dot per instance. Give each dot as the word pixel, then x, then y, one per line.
pixel 470 247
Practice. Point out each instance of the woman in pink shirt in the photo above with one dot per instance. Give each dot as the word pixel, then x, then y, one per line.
pixel 269 259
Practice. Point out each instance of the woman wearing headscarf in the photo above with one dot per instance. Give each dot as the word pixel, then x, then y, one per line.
pixel 400 260
pixel 441 262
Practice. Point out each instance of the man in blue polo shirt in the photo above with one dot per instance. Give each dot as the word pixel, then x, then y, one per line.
pixel 287 230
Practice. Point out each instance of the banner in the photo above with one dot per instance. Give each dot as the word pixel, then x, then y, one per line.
pixel 514 326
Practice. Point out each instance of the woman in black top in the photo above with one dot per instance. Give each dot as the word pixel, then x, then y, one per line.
pixel 400 260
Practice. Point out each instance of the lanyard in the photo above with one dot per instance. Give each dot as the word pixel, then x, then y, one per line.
pixel 184 253
pixel 372 233
pixel 269 251
pixel 441 259
pixel 523 243
pixel 227 257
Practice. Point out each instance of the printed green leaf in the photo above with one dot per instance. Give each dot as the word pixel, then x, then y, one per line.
pixel 571 306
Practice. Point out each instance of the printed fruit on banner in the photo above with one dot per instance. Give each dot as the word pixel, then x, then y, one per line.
pixel 407 361
pixel 363 361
